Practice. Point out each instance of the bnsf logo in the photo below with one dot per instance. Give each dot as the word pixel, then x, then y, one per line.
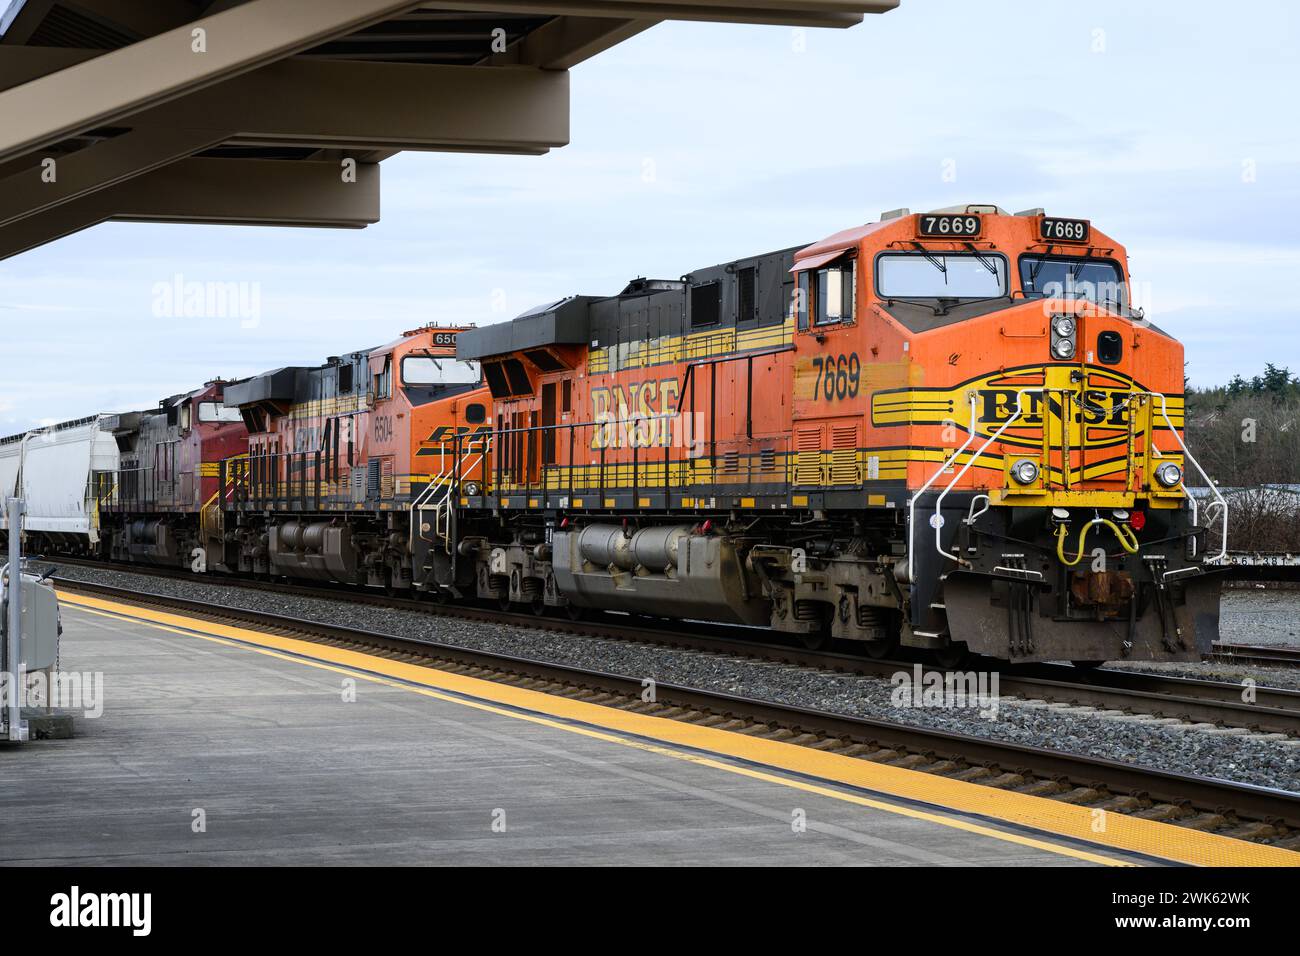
pixel 1095 413
pixel 638 415
pixel 996 406
pixel 445 435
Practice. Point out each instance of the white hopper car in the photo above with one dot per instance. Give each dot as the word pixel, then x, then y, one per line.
pixel 59 472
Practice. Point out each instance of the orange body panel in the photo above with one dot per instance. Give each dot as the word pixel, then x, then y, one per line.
pixel 408 427
pixel 866 401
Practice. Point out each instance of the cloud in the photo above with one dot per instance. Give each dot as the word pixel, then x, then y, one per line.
pixel 694 144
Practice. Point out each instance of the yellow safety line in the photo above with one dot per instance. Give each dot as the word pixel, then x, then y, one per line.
pixel 1120 832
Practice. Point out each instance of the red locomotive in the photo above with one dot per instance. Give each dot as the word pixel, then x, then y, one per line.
pixel 161 507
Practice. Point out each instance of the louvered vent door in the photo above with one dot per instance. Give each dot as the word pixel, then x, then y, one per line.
pixel 808 456
pixel 844 455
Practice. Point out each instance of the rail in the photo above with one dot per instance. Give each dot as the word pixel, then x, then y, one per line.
pixel 1067 770
pixel 282 481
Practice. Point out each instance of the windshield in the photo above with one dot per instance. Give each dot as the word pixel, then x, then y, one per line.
pixel 427 370
pixel 1096 280
pixel 939 275
pixel 212 412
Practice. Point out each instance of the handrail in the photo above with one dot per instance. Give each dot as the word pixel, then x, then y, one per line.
pixel 938 522
pixel 911 502
pixel 1187 455
pixel 444 481
pixel 1223 503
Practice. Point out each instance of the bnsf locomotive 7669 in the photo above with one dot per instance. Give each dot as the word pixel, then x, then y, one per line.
pixel 949 430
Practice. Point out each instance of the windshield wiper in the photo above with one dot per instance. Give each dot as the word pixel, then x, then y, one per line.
pixel 936 262
pixel 1035 269
pixel 1119 306
pixel 988 262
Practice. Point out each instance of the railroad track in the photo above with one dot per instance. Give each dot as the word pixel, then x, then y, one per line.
pixel 1159 696
pixel 1257 654
pixel 1241 811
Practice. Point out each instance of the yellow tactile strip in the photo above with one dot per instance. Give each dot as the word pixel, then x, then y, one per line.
pixel 1045 819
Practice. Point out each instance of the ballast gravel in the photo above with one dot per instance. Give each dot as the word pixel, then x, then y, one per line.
pixel 1264 762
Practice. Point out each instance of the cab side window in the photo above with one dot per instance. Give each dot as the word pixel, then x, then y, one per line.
pixel 383 383
pixel 826 296
pixel 835 293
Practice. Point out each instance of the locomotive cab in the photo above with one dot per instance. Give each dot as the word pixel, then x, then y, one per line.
pixel 1048 517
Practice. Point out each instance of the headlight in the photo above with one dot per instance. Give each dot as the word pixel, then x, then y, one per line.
pixel 1025 471
pixel 1169 475
pixel 1065 326
pixel 472 489
pixel 1064 348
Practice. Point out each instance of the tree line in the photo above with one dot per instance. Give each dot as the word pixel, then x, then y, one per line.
pixel 1246 435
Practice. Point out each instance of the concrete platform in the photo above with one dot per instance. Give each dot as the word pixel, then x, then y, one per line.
pixel 282 770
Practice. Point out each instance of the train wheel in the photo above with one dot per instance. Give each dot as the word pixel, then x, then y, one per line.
pixel 538 606
pixel 816 640
pixel 879 650
pixel 390 588
pixel 503 603
pixel 1087 665
pixel 575 613
pixel 951 657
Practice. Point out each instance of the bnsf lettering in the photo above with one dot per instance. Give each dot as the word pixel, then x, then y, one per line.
pixel 445 434
pixel 306 439
pixel 637 415
pixel 997 405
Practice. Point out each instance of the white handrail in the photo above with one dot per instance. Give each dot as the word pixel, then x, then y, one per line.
pixel 911 502
pixel 938 503
pixel 1223 503
pixel 911 505
pixel 443 482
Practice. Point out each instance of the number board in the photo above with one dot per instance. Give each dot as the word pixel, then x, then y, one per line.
pixel 444 338
pixel 1065 230
pixel 937 226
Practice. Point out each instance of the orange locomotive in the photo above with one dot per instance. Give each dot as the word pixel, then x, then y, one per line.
pixel 948 429
pixel 349 464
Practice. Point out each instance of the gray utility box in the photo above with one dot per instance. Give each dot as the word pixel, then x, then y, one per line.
pixel 41 626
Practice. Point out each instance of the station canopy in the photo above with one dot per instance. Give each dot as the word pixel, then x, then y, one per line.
pixel 278 112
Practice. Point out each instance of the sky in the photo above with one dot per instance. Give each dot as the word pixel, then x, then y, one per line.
pixel 1172 126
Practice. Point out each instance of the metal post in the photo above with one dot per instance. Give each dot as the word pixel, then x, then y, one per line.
pixel 13 645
